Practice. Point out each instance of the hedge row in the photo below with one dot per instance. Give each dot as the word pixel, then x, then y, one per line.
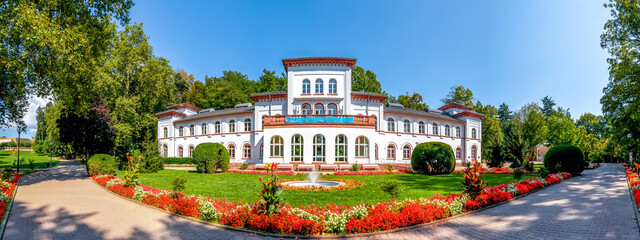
pixel 179 160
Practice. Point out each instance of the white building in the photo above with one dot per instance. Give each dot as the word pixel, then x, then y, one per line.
pixel 319 120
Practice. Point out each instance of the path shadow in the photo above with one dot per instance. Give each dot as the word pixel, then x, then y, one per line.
pixel 66 170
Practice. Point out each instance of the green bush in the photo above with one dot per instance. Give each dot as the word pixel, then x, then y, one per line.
pixel 177 160
pixel 179 183
pixel 565 158
pixel 595 157
pixel 433 158
pixel 149 163
pixel 101 164
pixel 518 173
pixel 392 187
pixel 210 157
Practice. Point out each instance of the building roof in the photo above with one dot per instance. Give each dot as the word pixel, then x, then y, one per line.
pixel 419 112
pixel 318 61
pixel 183 106
pixel 455 105
pixel 217 113
pixel 170 112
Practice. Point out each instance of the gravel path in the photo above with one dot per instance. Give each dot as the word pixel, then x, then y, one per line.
pixel 64 204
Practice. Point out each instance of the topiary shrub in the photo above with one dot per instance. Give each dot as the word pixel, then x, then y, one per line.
pixel 210 157
pixel 149 163
pixel 433 158
pixel 101 164
pixel 565 158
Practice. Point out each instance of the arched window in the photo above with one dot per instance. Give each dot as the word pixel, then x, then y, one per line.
pixel 391 152
pixel 306 86
pixel 216 127
pixel 407 126
pixel 435 129
pixel 276 146
pixel 341 148
pixel 261 150
pixel 458 153
pixel 362 146
pixel 306 109
pixel 421 127
pixel 181 131
pixel 406 152
pixel 165 150
pixel 391 125
pixel 180 152
pixel 319 86
pixel 332 109
pixel 376 151
pixel 297 149
pixel 190 151
pixel 473 133
pixel 232 126
pixel 447 130
pixel 474 152
pixel 246 151
pixel 204 128
pixel 165 132
pixel 457 131
pixel 247 125
pixel 232 151
pixel 333 86
pixel 318 148
pixel 319 109
pixel 192 130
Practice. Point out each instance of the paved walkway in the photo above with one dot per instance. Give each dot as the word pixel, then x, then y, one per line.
pixel 64 204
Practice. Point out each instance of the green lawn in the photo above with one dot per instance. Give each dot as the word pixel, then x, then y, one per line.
pixel 245 187
pixel 6 159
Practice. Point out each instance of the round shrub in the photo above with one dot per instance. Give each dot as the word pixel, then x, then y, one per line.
pixel 210 157
pixel 565 158
pixel 101 164
pixel 433 158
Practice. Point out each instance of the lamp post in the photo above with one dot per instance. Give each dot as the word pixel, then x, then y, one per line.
pixel 20 127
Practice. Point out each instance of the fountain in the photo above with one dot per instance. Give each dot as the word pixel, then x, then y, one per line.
pixel 313 182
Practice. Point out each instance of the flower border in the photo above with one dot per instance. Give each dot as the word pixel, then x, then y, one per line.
pixel 330 219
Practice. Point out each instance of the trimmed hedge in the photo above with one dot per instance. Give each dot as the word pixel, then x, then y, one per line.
pixel 99 164
pixel 433 158
pixel 210 157
pixel 178 160
pixel 570 158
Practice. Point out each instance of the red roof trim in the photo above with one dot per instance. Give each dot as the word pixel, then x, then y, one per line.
pixel 318 61
pixel 274 97
pixel 185 105
pixel 469 114
pixel 455 105
pixel 170 113
pixel 364 97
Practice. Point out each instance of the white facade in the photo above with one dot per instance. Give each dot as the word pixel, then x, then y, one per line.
pixel 320 120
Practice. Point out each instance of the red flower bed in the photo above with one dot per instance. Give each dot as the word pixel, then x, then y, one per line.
pixel 260 172
pixel 371 172
pixel 7 189
pixel 310 219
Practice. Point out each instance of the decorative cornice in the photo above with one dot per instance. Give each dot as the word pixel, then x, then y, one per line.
pixel 469 114
pixel 170 113
pixel 366 96
pixel 267 97
pixel 185 105
pixel 318 61
pixel 455 105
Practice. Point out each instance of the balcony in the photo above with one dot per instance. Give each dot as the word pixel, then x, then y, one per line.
pixel 354 121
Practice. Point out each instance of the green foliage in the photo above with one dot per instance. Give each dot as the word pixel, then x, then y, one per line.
pixel 433 158
pixel 151 160
pixel 621 100
pixel 459 95
pixel 473 179
pixel 51 47
pixel 210 157
pixel 270 201
pixel 547 106
pixel 543 172
pixel 31 164
pixel 96 126
pixel 269 82
pixel 526 130
pixel 413 101
pixel 518 173
pixel 562 131
pixel 222 92
pixel 389 167
pixel 177 160
pixel 364 81
pixel 393 188
pixel 570 159
pixel 504 114
pixel 355 167
pixel 243 166
pixel 133 171
pixel 101 164
pixel 492 136
pixel 179 183
pixel 595 157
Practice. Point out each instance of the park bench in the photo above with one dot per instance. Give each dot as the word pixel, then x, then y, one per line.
pixel 285 167
pixel 370 167
pixel 328 167
pixel 345 167
pixel 306 167
pixel 260 166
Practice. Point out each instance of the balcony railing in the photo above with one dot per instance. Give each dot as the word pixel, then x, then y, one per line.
pixel 349 120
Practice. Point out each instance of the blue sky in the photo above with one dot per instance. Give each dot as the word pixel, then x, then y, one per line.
pixel 504 51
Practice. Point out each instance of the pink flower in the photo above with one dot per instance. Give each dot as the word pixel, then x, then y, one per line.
pixel 260 179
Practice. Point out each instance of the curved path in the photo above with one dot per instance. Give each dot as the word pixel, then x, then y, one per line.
pixel 64 204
